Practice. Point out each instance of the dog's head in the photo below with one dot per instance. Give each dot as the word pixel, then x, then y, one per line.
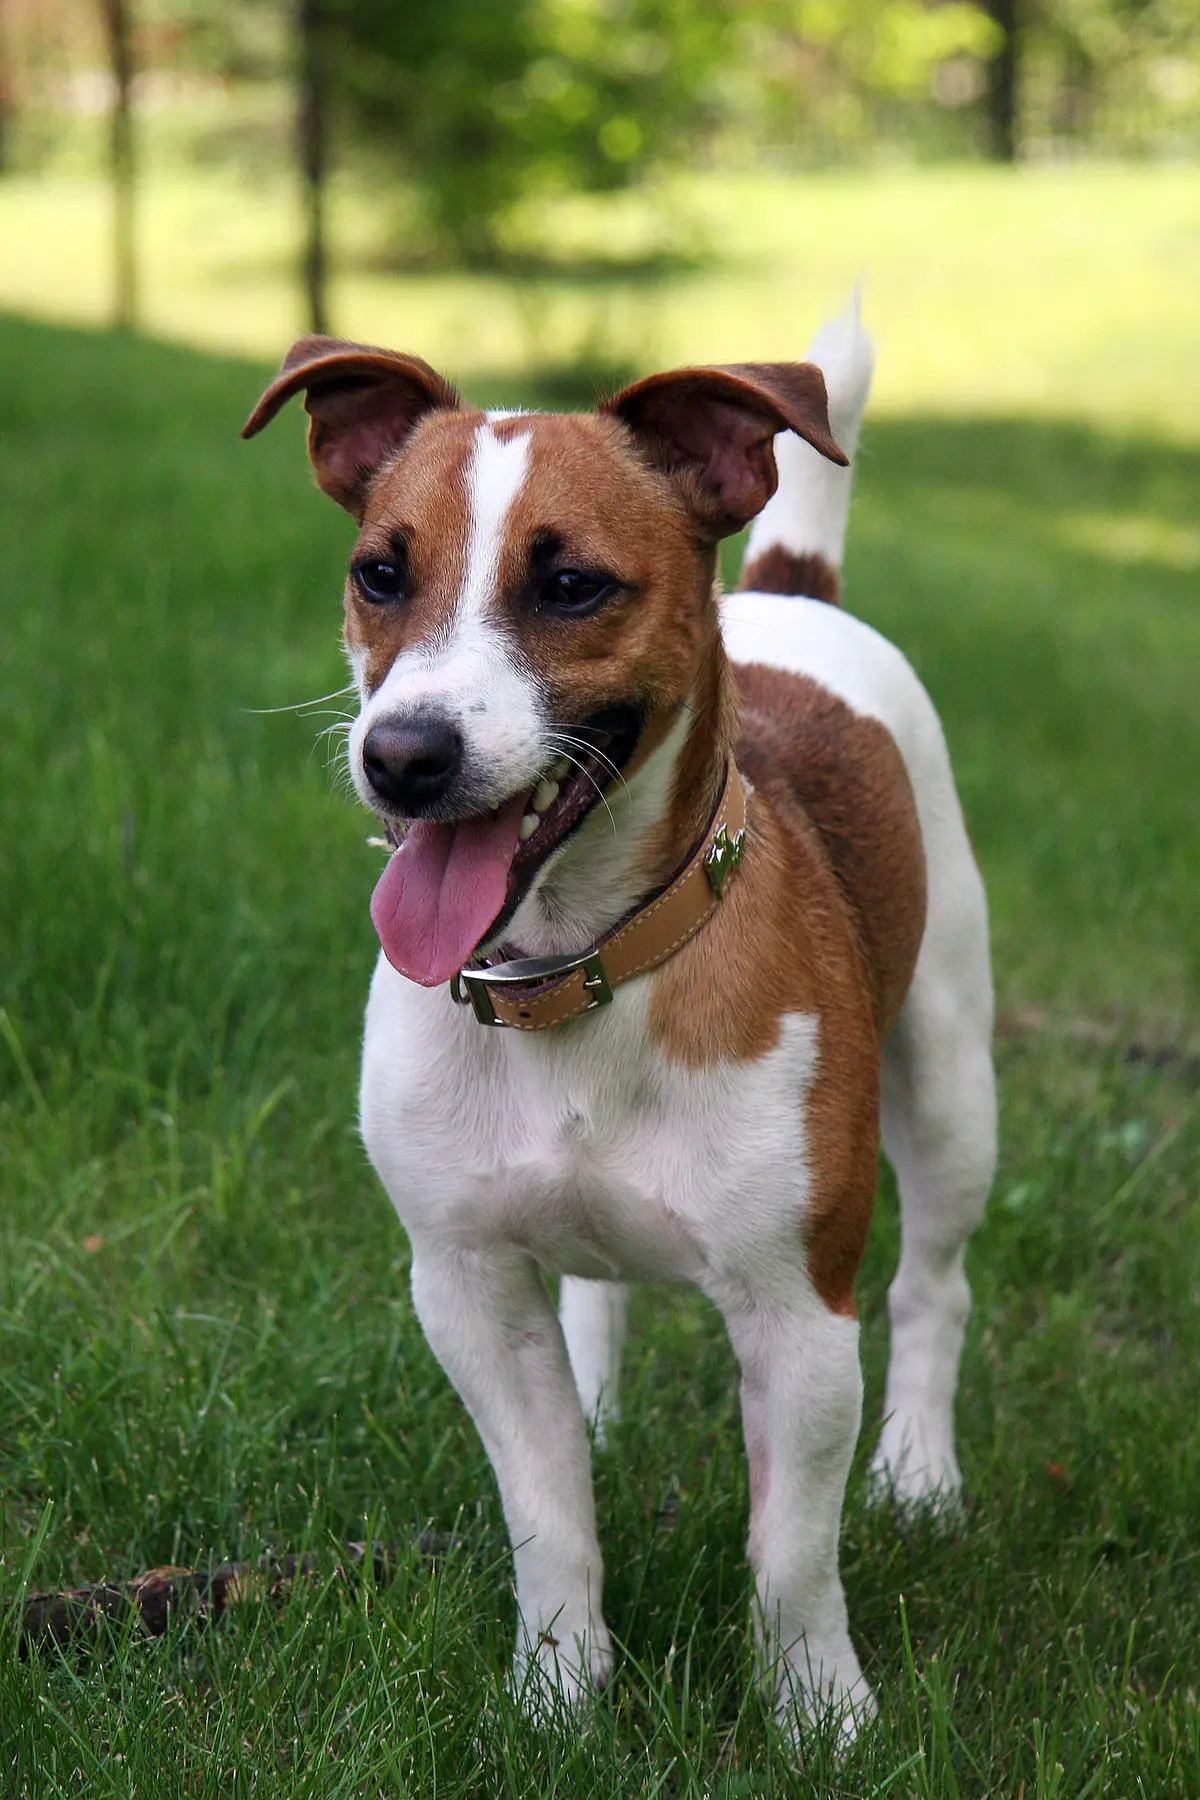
pixel 528 606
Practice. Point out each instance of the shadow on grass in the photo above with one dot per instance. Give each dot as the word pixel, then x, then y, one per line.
pixel 1044 464
pixel 648 269
pixel 575 386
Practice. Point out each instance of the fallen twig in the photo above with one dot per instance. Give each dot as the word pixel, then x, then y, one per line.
pixel 76 1616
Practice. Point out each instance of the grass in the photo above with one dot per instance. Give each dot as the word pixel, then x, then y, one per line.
pixel 1068 291
pixel 207 1344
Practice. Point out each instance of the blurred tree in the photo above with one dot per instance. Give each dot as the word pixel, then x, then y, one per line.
pixel 849 72
pixel 1122 74
pixel 473 111
pixel 312 130
pixel 485 102
pixel 1003 77
pixel 121 162
pixel 6 92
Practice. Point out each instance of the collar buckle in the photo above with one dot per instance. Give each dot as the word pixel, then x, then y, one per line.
pixel 528 970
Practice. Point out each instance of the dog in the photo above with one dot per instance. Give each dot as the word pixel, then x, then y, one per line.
pixel 683 910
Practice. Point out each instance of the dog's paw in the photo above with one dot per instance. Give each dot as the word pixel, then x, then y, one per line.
pixel 839 1703
pixel 915 1466
pixel 559 1673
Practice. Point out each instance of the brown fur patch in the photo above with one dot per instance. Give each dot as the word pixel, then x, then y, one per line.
pixel 783 942
pixel 421 493
pixel 659 644
pixel 824 918
pixel 848 775
pixel 780 571
pixel 612 513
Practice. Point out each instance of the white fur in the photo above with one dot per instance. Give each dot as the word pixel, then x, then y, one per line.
pixel 939 1101
pixel 495 476
pixel 468 671
pixel 584 1150
pixel 801 1396
pixel 592 1315
pixel 808 511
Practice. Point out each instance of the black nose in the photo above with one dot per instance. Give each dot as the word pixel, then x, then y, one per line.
pixel 412 765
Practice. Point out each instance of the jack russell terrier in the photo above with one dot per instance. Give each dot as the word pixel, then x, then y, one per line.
pixel 682 912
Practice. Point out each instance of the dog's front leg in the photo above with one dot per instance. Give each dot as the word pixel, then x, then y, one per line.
pixel 490 1322
pixel 801 1408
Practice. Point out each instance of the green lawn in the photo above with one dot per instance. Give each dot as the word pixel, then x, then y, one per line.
pixel 207 1345
pixel 1062 292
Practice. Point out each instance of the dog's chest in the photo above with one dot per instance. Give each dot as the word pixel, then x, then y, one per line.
pixel 584 1144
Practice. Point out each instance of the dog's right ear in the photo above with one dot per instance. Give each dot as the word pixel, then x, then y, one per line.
pixel 363 403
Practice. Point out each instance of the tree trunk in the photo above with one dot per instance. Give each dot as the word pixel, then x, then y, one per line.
pixel 121 163
pixel 6 101
pixel 312 120
pixel 1003 82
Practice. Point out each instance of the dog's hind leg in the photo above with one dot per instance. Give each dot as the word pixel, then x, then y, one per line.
pixel 593 1321
pixel 939 1132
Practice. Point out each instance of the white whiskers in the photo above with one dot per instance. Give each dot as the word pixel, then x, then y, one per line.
pixel 558 740
pixel 567 737
pixel 302 706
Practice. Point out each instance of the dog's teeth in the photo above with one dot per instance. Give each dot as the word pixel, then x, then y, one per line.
pixel 529 825
pixel 560 768
pixel 544 794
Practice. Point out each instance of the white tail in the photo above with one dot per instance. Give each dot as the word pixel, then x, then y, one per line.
pixel 804 523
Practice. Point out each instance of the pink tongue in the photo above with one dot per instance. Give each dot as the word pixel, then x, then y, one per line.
pixel 442 889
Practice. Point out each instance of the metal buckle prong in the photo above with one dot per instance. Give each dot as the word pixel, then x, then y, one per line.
pixel 595 980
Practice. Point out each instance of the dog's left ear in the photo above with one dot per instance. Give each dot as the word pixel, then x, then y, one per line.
pixel 363 403
pixel 717 425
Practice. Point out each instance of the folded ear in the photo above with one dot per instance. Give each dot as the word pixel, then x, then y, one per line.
pixel 363 403
pixel 718 424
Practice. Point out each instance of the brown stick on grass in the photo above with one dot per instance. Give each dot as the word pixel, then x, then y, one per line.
pixel 78 1616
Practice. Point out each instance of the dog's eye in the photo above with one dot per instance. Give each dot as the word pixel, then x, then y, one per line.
pixel 577 590
pixel 379 581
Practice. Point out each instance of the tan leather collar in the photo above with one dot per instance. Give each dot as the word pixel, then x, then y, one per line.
pixel 535 992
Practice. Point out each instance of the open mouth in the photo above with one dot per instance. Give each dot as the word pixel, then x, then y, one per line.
pixel 450 886
pixel 593 757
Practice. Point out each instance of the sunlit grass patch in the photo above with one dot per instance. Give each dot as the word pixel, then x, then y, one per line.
pixel 1134 538
pixel 1068 291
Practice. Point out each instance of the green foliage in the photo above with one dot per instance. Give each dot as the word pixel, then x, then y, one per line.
pixel 479 103
pixel 1122 74
pixel 837 74
pixel 892 48
pixel 469 113
pixel 246 41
